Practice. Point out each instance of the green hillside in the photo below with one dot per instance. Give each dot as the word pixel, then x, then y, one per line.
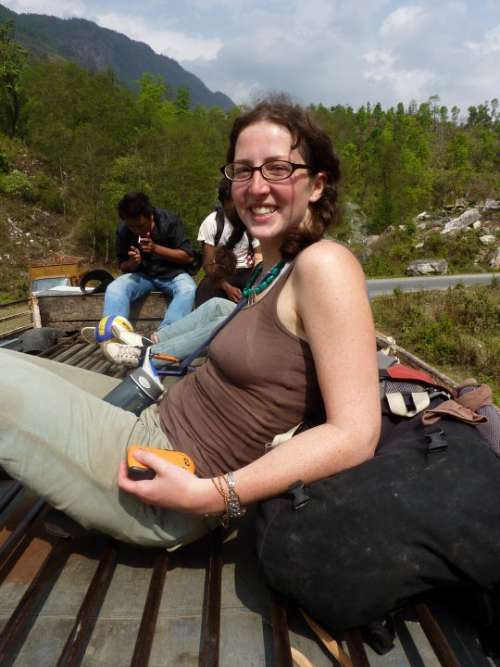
pixel 97 49
pixel 73 141
pixel 457 331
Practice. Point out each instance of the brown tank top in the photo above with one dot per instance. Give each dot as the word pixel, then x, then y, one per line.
pixel 259 380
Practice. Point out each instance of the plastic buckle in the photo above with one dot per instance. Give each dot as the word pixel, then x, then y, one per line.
pixel 436 441
pixel 299 496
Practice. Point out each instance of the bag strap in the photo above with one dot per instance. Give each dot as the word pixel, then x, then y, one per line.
pixel 328 642
pixel 184 366
pixel 402 372
pixel 299 659
pixel 408 405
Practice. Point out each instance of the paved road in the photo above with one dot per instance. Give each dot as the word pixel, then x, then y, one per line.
pixel 378 286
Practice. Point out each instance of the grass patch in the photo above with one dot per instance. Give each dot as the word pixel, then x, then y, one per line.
pixel 457 330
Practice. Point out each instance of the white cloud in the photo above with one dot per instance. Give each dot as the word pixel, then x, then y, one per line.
pixel 60 8
pixel 406 84
pixel 457 6
pixel 173 43
pixel 490 43
pixel 314 15
pixel 379 58
pixel 402 21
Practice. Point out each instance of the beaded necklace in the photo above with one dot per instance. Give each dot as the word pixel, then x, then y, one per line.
pixel 250 292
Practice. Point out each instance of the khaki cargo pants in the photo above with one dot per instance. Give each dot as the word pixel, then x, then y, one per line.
pixel 66 444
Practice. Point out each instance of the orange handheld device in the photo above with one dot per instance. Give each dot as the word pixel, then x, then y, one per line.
pixel 138 471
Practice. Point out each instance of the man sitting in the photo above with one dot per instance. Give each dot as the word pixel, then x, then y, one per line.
pixel 154 253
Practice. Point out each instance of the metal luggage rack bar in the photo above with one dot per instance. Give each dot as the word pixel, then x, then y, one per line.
pixel 15 317
pixel 74 351
pixel 25 521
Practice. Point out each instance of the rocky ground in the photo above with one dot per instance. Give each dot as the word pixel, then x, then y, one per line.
pixel 464 237
pixel 467 229
pixel 27 233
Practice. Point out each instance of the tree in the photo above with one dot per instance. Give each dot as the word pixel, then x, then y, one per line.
pixel 182 100
pixel 494 108
pixel 13 59
pixel 152 101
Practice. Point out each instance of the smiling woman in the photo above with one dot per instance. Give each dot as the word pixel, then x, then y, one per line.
pixel 300 350
pixel 276 363
pixel 294 148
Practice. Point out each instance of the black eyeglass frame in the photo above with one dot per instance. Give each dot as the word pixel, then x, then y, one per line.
pixel 293 165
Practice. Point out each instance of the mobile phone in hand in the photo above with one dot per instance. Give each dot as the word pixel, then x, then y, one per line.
pixel 138 471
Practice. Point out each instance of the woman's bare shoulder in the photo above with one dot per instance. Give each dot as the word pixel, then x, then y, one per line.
pixel 328 257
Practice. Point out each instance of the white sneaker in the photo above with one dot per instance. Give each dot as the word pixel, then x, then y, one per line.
pixel 121 334
pixel 124 355
pixel 88 335
pixel 126 336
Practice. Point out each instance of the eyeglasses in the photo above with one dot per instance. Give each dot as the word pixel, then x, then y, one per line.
pixel 274 170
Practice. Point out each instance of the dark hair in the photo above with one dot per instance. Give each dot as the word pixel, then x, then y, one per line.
pixel 316 148
pixel 133 205
pixel 225 195
pixel 224 190
pixel 224 263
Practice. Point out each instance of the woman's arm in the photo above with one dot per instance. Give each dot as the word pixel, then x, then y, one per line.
pixel 325 301
pixel 328 294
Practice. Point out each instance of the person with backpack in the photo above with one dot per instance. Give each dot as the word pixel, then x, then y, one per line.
pixel 303 336
pixel 352 534
pixel 229 252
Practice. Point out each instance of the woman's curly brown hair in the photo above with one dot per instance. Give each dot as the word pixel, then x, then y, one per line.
pixel 316 148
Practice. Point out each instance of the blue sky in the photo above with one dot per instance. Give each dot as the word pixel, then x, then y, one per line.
pixel 329 51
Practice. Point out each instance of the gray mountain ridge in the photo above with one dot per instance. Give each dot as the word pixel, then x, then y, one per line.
pixel 92 47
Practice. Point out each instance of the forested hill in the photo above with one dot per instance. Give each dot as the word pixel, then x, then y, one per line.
pixel 86 44
pixel 73 141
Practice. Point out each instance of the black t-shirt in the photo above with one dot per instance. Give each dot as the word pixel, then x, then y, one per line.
pixel 169 232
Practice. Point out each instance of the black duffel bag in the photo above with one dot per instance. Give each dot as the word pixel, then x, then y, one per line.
pixel 423 514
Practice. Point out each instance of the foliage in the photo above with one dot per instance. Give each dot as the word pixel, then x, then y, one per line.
pixel 4 164
pixel 460 251
pixel 46 191
pixel 391 254
pixel 83 140
pixel 97 140
pixel 16 183
pixel 13 60
pixel 458 328
pixel 88 45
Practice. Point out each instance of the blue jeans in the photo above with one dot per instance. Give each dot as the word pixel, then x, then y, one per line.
pixel 132 286
pixel 184 336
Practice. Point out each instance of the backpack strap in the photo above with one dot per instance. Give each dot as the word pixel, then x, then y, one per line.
pixel 407 391
pixel 328 642
pixel 408 405
pixel 402 372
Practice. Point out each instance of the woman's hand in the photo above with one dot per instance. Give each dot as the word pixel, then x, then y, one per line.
pixel 172 488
